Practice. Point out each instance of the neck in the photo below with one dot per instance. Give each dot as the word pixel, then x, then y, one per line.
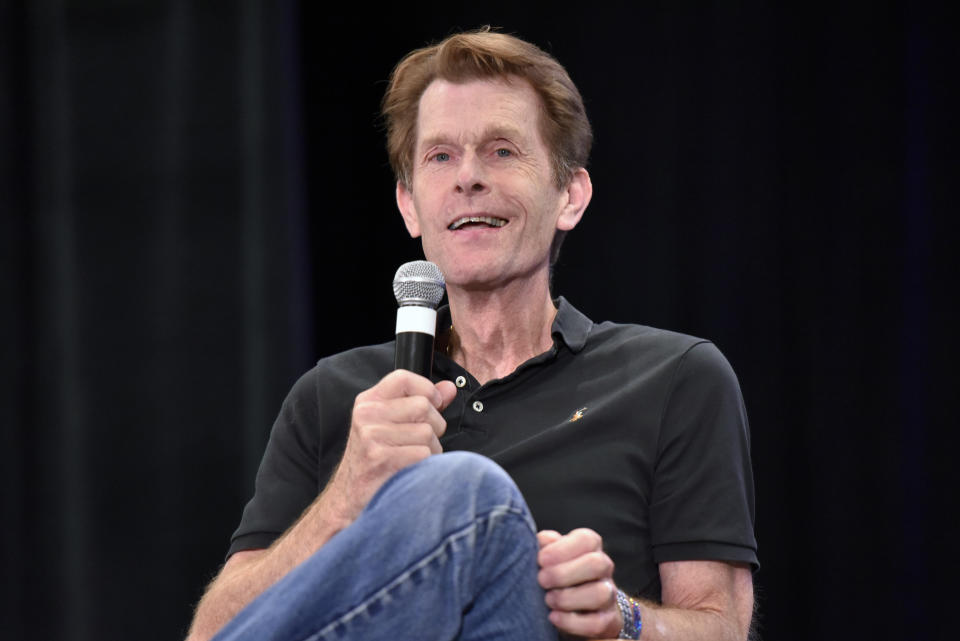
pixel 494 331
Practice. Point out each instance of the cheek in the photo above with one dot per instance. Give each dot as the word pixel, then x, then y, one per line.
pixel 434 184
pixel 430 207
pixel 548 207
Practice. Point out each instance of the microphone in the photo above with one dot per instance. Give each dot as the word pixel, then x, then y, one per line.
pixel 418 287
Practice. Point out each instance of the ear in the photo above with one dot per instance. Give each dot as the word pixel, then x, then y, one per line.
pixel 407 210
pixel 578 194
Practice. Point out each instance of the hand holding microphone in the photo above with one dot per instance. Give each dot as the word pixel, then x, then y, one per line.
pixel 397 422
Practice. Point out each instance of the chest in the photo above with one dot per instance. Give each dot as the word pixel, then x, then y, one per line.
pixel 581 452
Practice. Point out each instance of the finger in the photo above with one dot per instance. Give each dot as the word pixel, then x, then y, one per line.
pixel 604 624
pixel 400 383
pixel 570 546
pixel 421 435
pixel 407 409
pixel 594 595
pixel 593 566
pixel 409 454
pixel 401 434
pixel 373 447
pixel 546 537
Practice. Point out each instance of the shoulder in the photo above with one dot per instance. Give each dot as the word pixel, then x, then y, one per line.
pixel 640 346
pixel 319 403
pixel 641 337
pixel 353 370
pixel 358 363
pixel 657 359
pixel 622 339
pixel 679 372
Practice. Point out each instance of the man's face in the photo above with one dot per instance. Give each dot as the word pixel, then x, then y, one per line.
pixel 483 196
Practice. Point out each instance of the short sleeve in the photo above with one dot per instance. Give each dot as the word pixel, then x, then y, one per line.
pixel 286 481
pixel 702 504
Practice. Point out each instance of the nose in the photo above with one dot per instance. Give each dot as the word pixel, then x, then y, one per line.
pixel 471 175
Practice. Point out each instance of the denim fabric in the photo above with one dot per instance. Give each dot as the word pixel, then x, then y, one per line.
pixel 445 550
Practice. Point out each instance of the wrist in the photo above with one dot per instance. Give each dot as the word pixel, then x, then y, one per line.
pixel 333 510
pixel 632 621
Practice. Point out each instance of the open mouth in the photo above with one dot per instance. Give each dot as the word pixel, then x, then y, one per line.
pixel 476 221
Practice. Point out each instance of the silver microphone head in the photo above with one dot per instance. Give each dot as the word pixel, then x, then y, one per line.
pixel 418 282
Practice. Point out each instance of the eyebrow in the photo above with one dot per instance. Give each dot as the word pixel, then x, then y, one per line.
pixel 491 133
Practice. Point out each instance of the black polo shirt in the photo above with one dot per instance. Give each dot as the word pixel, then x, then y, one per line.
pixel 635 432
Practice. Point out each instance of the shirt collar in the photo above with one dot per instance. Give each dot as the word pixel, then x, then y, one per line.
pixel 570 325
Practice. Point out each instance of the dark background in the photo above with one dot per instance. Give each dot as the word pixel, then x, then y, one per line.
pixel 196 205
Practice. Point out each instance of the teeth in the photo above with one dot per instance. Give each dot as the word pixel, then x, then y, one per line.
pixel 489 220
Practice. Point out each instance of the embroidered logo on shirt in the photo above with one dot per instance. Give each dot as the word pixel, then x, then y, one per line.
pixel 576 416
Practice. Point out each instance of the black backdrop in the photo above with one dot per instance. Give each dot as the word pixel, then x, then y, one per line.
pixel 196 205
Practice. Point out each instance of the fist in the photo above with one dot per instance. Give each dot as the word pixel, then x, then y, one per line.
pixel 394 424
pixel 578 577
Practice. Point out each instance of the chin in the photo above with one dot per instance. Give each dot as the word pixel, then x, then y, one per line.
pixel 466 278
pixel 463 269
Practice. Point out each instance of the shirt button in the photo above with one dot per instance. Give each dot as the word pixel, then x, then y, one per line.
pixel 477 406
pixel 461 381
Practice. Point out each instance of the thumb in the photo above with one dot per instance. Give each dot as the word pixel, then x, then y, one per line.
pixel 448 392
pixel 546 537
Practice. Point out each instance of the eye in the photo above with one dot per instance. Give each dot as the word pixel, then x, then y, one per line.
pixel 441 156
pixel 504 153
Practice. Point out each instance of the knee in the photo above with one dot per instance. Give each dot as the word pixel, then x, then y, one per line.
pixel 455 480
pixel 468 474
pixel 463 468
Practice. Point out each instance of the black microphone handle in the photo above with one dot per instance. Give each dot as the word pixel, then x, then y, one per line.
pixel 414 353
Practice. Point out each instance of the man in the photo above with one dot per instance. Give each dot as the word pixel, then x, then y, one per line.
pixel 628 444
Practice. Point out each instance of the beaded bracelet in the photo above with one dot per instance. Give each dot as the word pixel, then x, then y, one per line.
pixel 630 612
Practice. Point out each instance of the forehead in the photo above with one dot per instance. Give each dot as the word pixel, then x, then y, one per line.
pixel 465 110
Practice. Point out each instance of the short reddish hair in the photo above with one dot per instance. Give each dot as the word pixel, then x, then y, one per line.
pixel 485 54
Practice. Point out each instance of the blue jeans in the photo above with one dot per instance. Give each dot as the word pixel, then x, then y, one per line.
pixel 445 550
